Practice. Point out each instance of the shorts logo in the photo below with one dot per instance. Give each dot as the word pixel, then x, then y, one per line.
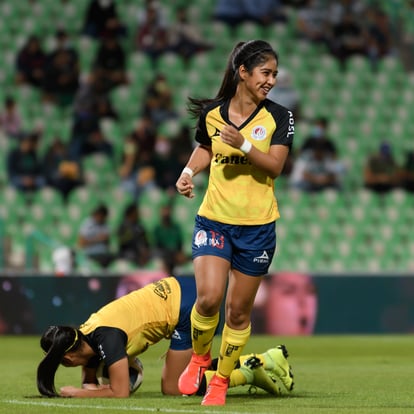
pixel 176 335
pixel 259 133
pixel 215 240
pixel 263 258
pixel 200 238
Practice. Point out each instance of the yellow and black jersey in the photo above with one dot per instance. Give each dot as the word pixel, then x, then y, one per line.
pixel 145 316
pixel 239 193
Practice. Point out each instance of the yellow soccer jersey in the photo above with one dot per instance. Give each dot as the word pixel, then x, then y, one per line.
pixel 146 315
pixel 239 193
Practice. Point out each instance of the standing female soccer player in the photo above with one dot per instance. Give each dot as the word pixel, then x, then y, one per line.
pixel 245 139
pixel 125 327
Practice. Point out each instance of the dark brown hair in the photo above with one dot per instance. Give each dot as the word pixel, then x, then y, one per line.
pixel 56 341
pixel 249 54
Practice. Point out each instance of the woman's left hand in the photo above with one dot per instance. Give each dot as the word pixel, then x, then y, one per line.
pixel 231 136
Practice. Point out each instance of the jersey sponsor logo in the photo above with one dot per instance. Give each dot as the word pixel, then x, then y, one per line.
pixel 291 127
pixel 263 258
pixel 200 238
pixel 259 133
pixel 232 159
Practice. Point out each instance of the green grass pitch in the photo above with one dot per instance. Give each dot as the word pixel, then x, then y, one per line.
pixel 333 374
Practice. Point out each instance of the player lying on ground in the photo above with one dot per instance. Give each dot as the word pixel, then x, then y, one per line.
pixel 125 328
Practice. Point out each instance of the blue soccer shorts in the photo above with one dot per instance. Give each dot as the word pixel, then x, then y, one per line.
pixel 181 337
pixel 249 249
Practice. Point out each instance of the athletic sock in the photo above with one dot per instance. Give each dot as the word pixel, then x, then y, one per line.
pixel 202 331
pixel 232 343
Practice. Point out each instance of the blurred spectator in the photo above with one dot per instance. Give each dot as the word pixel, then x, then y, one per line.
pixel 158 100
pixel 102 17
pixel 337 9
pixel 61 71
pixel 110 62
pixel 263 12
pixel 132 237
pixel 185 39
pixel 167 166
pixel 315 170
pixel 182 146
pixel 25 170
pixel 137 153
pixel 10 119
pixel 151 36
pixel 319 136
pixel 379 34
pixel 62 171
pixel 168 240
pixel 285 93
pixel 407 172
pixel 96 142
pixel 30 63
pixel 104 108
pixel 312 22
pixel 348 38
pixel 94 236
pixel 91 104
pixel 381 170
pixel 88 95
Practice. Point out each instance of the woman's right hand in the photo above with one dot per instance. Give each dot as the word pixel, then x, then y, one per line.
pixel 185 185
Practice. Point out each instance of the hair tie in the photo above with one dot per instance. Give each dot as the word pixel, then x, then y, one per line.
pixel 74 342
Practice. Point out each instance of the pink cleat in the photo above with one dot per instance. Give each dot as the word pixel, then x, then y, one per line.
pixel 216 391
pixel 190 379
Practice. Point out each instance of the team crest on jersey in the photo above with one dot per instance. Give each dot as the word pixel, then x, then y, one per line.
pixel 200 238
pixel 259 133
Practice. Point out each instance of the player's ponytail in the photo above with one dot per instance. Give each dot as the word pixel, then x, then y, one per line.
pixel 249 54
pixel 56 342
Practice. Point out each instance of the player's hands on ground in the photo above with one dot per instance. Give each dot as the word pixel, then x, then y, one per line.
pixel 69 391
pixel 91 386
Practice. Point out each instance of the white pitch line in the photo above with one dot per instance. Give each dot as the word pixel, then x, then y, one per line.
pixel 121 408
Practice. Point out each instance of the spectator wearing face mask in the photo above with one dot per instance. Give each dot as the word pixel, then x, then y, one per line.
pixel 381 170
pixel 158 100
pixel 315 170
pixel 318 164
pixel 319 137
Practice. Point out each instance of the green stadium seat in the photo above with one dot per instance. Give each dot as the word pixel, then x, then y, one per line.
pixel 150 202
pixel 248 31
pixel 140 68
